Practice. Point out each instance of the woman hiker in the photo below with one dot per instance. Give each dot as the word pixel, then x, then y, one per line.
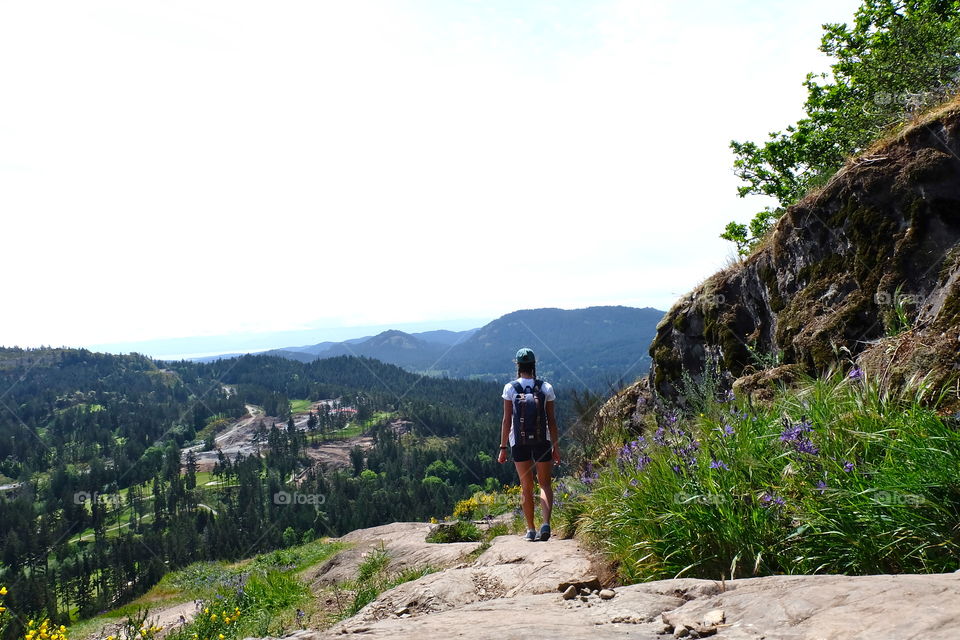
pixel 530 426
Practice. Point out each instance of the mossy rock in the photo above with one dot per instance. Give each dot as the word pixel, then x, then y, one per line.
pixel 761 387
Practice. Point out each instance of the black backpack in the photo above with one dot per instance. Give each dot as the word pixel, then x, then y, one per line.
pixel 529 414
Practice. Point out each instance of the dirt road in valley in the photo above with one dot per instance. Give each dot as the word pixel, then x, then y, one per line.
pixel 241 438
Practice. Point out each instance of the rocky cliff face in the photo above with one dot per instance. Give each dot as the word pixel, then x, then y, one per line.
pixel 863 270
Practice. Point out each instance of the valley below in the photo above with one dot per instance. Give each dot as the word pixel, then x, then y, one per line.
pixel 244 437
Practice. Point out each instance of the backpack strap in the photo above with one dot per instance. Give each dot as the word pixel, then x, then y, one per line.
pixel 537 384
pixel 517 387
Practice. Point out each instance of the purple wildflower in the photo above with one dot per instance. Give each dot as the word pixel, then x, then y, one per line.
pixel 660 437
pixel 848 466
pixel 772 499
pixel 633 482
pixel 727 431
pixel 795 436
pixel 804 445
pixel 634 454
pixel 822 486
pixel 719 464
pixel 855 374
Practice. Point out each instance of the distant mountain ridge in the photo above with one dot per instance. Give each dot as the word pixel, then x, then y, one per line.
pixel 590 347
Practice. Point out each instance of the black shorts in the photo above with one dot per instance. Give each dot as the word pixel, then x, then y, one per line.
pixel 537 452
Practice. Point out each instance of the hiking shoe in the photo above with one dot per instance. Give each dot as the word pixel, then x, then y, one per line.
pixel 531 536
pixel 544 532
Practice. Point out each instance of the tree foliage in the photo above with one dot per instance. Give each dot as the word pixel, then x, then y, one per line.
pixel 98 504
pixel 898 57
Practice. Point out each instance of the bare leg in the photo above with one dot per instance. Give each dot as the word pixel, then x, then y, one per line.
pixel 545 480
pixel 525 471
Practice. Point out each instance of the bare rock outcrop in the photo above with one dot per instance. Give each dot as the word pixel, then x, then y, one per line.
pixel 404 541
pixel 884 607
pixel 874 252
pixel 511 567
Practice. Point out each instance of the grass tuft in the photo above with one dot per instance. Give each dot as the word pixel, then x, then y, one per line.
pixel 839 476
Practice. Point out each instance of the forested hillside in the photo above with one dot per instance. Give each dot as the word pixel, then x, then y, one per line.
pixel 97 505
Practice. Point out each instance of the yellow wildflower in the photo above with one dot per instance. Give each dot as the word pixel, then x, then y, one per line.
pixel 3 591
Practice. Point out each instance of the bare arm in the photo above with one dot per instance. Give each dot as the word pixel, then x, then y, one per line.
pixel 552 423
pixel 505 430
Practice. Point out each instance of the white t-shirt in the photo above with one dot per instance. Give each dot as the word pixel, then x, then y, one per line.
pixel 509 393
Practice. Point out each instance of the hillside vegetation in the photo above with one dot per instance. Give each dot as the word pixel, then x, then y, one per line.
pixel 97 506
pixel 799 412
pixel 834 476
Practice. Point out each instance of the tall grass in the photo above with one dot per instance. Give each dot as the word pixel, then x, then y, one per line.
pixel 836 477
pixel 374 577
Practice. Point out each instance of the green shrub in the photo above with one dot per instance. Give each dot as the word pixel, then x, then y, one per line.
pixel 459 531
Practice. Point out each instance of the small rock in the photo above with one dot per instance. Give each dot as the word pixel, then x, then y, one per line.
pixel 606 594
pixel 481 591
pixel 406 615
pixel 584 598
pixel 590 582
pixel 401 611
pixel 570 593
pixel 585 592
pixel 681 631
pixel 714 617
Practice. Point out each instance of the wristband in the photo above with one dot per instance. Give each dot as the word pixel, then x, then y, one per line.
pixel 504 447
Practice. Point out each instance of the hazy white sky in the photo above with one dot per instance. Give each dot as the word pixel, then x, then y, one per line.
pixel 185 168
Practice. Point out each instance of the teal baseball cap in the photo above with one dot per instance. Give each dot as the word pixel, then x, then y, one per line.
pixel 525 356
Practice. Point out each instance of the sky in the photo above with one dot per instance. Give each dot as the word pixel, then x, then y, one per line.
pixel 306 168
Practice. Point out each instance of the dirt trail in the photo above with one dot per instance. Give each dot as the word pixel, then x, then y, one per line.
pixel 240 438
